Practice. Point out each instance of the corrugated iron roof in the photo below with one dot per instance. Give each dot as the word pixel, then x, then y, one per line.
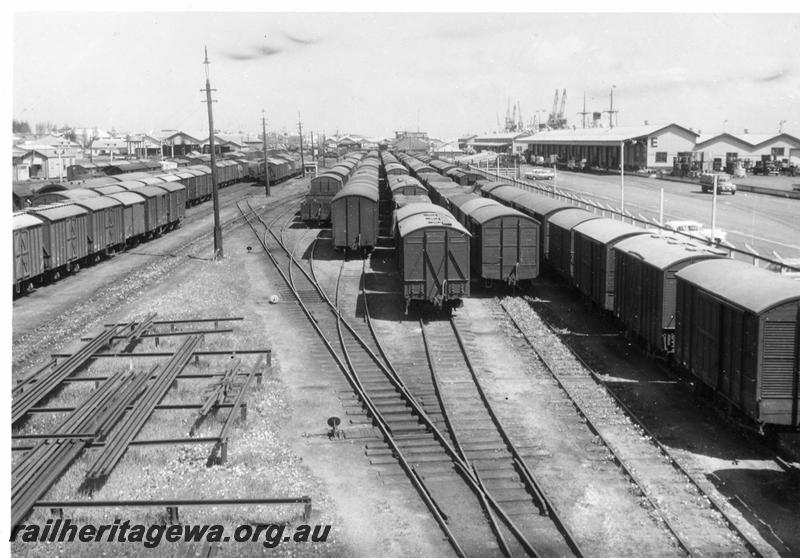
pixel 598 135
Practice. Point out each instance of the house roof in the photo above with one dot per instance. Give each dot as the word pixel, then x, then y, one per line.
pixel 600 135
pixel 750 140
pixel 410 144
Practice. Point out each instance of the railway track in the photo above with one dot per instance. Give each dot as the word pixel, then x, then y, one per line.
pixel 471 518
pixel 699 523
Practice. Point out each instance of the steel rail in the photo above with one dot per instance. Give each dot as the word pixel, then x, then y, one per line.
pixel 366 401
pixel 664 450
pixel 530 480
pixel 115 449
pixel 34 389
pixel 685 545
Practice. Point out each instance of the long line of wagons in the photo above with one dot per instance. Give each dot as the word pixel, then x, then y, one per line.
pixel 732 326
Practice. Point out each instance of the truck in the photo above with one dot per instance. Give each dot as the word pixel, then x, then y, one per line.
pixel 724 183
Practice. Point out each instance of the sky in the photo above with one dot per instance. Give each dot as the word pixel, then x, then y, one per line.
pixel 373 73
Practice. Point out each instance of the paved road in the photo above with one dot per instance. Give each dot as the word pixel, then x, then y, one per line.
pixel 766 223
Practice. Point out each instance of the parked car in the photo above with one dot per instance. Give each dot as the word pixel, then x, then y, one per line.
pixel 540 173
pixel 696 229
pixel 724 183
pixel 766 168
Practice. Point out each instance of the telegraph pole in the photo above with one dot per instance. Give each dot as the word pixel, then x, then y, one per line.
pixel 218 254
pixel 302 159
pixel 266 162
pixel 312 147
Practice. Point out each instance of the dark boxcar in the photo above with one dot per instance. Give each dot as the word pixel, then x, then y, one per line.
pixel 505 194
pixel 401 200
pixel 505 242
pixel 737 331
pixel 155 208
pixel 316 208
pixel 407 185
pixel 110 189
pixel 593 271
pixel 561 249
pixel 193 180
pixel 460 204
pixel 441 166
pixel 326 184
pixel 645 286
pixel 65 236
pixel 106 223
pixel 433 250
pixel 176 206
pixel 63 196
pixel 542 209
pixel 28 249
pixel 133 214
pixel 396 169
pixel 204 181
pixel 354 216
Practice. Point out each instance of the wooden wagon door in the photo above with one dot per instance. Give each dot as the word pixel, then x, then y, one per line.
pixel 71 230
pixel 434 264
pixel 22 257
pixel 108 220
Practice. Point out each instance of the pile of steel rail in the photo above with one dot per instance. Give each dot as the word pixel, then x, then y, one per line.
pixel 117 444
pixel 43 465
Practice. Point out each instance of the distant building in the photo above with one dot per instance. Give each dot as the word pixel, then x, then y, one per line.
pixel 715 151
pixel 347 144
pixel 410 145
pixel 21 168
pixel 465 142
pixel 649 146
pixel 223 143
pixel 177 143
pixel 110 147
pixel 49 164
pixel 498 143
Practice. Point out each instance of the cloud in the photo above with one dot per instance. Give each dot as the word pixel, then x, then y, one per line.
pixel 255 52
pixel 777 76
pixel 300 41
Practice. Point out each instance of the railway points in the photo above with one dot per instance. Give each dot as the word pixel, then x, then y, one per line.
pixel 397 345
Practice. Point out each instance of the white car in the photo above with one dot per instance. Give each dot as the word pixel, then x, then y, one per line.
pixel 540 173
pixel 696 229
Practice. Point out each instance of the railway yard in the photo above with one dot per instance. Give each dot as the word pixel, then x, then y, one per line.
pixel 324 373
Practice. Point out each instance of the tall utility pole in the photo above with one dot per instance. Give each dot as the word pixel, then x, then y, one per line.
pixel 302 159
pixel 266 158
pixel 312 146
pixel 218 254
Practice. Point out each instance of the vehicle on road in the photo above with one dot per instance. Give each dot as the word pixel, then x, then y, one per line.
pixel 724 183
pixel 696 229
pixel 540 173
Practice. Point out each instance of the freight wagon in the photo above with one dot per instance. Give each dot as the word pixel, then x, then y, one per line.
pixel 737 333
pixel 433 257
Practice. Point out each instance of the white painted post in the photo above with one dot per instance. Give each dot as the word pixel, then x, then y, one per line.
pixel 714 209
pixel 622 178
pixel 661 207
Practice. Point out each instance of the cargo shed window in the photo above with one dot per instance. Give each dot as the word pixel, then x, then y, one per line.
pixel 661 156
pixel 777 151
